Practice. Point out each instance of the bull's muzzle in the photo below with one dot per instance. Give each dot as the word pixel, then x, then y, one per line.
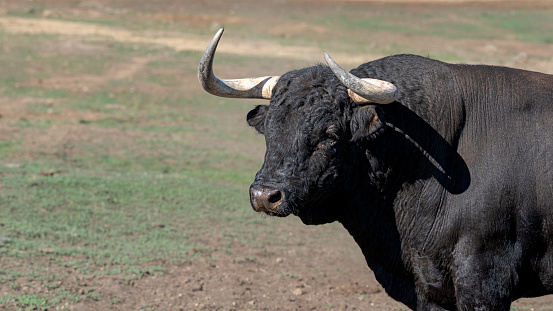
pixel 265 199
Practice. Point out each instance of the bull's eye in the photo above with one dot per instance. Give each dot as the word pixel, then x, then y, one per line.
pixel 329 138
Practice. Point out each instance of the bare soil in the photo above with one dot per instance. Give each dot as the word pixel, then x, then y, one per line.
pixel 327 274
pixel 296 277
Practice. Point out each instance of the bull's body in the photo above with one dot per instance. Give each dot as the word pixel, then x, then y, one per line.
pixel 472 227
pixel 448 189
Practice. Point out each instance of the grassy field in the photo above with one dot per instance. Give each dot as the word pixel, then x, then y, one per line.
pixel 115 166
pixel 111 178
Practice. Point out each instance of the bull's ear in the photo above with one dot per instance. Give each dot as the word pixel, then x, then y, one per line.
pixel 256 118
pixel 367 121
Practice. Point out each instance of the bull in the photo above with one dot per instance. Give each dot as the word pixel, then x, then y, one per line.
pixel 442 173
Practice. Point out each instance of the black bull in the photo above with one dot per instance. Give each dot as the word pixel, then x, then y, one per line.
pixel 446 184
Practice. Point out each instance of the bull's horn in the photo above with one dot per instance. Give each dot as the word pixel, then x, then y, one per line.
pixel 363 91
pixel 236 88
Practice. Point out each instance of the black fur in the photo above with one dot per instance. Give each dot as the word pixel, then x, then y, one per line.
pixel 448 191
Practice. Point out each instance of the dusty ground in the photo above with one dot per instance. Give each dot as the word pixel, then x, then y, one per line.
pixel 330 275
pixel 297 277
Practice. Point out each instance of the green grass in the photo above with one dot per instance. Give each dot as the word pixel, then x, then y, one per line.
pixel 26 302
pixel 110 217
pixel 7 148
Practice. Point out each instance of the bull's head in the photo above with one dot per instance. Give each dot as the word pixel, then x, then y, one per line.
pixel 314 117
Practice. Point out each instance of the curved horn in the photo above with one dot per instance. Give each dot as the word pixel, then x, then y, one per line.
pixel 261 87
pixel 363 91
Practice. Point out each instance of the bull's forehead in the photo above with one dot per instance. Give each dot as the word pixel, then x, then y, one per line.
pixel 293 117
pixel 305 103
pixel 294 127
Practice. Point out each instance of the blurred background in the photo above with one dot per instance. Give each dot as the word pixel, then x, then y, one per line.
pixel 124 186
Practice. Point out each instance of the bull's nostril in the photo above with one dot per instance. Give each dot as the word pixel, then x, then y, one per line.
pixel 265 199
pixel 275 197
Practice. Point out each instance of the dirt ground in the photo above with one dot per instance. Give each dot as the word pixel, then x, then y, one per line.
pixel 330 275
pixel 297 277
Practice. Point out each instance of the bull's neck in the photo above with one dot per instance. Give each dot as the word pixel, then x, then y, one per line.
pixel 371 220
pixel 413 153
